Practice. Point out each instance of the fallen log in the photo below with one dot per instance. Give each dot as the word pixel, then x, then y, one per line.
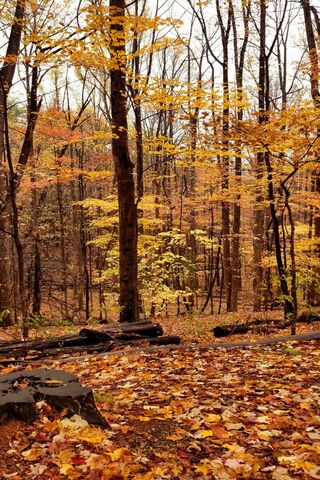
pixel 165 340
pixel 96 348
pixel 108 332
pixel 24 349
pixel 119 331
pixel 225 330
pixel 265 327
pixel 261 325
pixel 143 328
pixel 66 340
pixel 20 391
pixel 85 337
pixel 308 317
pixel 88 341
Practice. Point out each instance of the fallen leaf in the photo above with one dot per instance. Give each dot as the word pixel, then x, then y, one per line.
pixel 33 454
pixel 212 418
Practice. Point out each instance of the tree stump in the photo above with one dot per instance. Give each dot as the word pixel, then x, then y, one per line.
pixel 19 392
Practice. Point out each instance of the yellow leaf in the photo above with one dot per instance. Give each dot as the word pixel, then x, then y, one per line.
pixel 202 469
pixel 91 435
pixel 264 435
pixel 212 418
pixel 32 454
pixel 116 454
pixel 65 468
pixel 230 446
pixel 63 458
pixel 263 419
pixel 144 419
pixel 206 433
pixel 305 465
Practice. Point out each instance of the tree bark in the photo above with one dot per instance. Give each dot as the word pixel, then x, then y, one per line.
pixel 7 72
pixel 239 67
pixel 313 292
pixel 258 225
pixel 128 265
pixel 225 160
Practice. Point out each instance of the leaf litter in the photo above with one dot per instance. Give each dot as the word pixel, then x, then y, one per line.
pixel 251 413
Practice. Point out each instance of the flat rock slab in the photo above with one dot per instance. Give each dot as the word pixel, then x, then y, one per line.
pixel 20 391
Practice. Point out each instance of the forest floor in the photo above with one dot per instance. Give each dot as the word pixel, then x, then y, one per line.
pixel 191 328
pixel 223 414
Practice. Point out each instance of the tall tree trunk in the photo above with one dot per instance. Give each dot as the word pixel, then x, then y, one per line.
pixel 15 222
pixel 63 251
pixel 313 292
pixel 128 298
pixel 36 283
pixel 85 274
pixel 193 113
pixel 7 72
pixel 264 108
pixel 258 226
pixel 225 160
pixel 239 67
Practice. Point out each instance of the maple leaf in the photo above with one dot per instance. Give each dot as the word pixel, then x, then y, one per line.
pixel 233 463
pixel 212 418
pixel 33 454
pixel 205 469
pixel 92 435
pixel 117 454
pixel 203 434
pixel 220 432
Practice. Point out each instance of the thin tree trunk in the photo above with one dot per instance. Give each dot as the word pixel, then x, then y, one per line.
pixel 258 226
pixel 225 161
pixel 36 303
pixel 292 258
pixel 289 310
pixel 239 66
pixel 63 253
